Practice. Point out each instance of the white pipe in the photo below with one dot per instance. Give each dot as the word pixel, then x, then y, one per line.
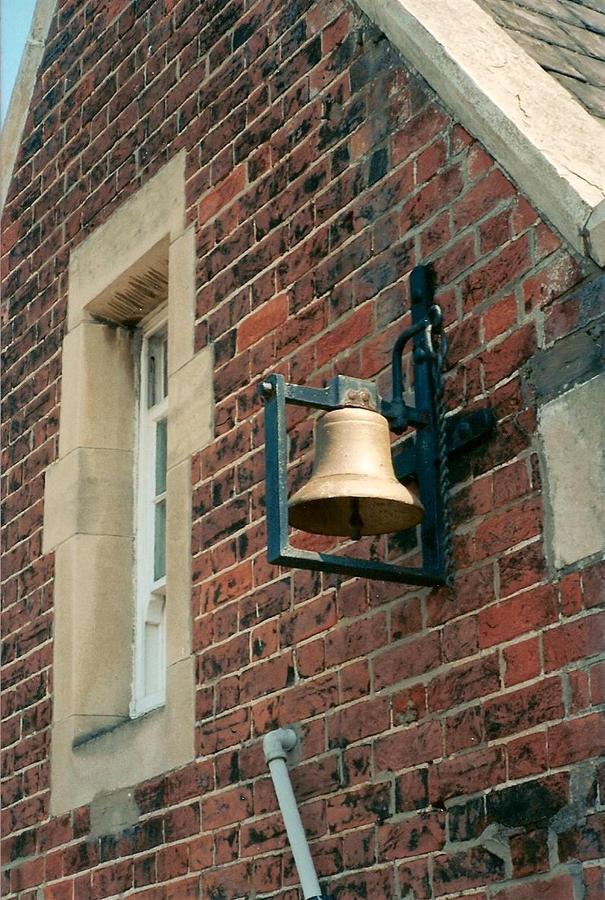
pixel 275 747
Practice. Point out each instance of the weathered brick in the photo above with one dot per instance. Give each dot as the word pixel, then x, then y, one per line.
pixel 512 618
pixel 572 641
pixel 358 807
pixel 530 803
pixel 358 721
pixel 576 740
pixel 470 680
pixel 523 709
pixel 466 774
pixel 412 658
pixel 410 746
pixel 464 870
pixel 421 834
pixel 560 887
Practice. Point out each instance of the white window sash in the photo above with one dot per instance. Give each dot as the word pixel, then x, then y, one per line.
pixel 149 638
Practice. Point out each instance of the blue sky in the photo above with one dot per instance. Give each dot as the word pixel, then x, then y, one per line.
pixel 15 19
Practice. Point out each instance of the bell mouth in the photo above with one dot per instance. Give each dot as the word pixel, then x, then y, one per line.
pixel 355 510
pixel 353 490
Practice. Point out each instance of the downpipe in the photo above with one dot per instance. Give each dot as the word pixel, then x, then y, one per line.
pixel 276 745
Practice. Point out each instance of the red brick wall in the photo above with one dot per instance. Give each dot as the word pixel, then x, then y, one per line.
pixel 449 743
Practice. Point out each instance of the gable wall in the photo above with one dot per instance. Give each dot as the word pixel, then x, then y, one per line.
pixel 319 170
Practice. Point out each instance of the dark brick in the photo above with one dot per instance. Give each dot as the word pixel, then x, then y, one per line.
pixel 531 803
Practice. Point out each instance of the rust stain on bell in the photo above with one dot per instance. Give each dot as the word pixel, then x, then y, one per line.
pixel 353 490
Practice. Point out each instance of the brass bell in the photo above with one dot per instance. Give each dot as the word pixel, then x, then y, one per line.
pixel 353 490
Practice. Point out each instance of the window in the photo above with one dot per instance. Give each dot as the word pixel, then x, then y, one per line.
pixel 149 681
pixel 120 717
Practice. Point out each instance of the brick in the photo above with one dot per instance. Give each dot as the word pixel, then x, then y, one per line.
pixel 267 676
pixel 584 842
pixel 521 614
pixel 576 740
pixel 417 132
pixel 27 875
pixel 464 729
pixel 560 887
pixel 522 568
pixel 410 746
pixel 352 329
pixel 467 820
pixel 594 882
pixel 261 321
pixel 432 197
pixel 464 683
pixel 461 871
pixel 308 619
pixel 593 585
pixel 503 531
pixel 406 618
pixel 224 731
pixel 459 639
pixel 421 834
pixel 500 317
pixel 522 661
pixel 411 790
pixel 492 189
pixel 524 708
pixel 558 275
pixel 574 640
pixel 182 822
pixel 466 774
pixel 367 883
pixel 414 876
pixel 530 803
pixel 358 639
pixel 501 271
pixel 472 589
pixel 529 853
pixel 509 355
pixel 414 657
pixel 358 721
pixel 597 683
pixel 430 161
pixel 232 655
pixel 321 776
pixel 473 500
pixel 230 881
pixel 358 807
pixel 112 879
pixel 495 231
pixel 228 806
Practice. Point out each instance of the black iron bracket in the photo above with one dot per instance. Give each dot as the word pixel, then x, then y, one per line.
pixel 463 431
pixel 418 458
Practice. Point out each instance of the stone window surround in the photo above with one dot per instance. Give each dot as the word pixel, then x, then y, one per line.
pixel 88 513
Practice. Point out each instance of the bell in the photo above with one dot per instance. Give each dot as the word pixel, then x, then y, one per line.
pixel 353 490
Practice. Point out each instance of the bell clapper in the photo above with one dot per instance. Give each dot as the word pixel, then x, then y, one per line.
pixel 355 521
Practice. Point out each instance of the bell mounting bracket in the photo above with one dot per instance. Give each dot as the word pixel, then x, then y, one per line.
pixel 419 456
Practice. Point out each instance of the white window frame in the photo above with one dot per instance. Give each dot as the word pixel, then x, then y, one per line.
pixel 149 592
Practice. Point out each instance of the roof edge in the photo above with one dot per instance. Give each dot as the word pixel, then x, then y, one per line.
pixel 546 141
pixel 23 89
